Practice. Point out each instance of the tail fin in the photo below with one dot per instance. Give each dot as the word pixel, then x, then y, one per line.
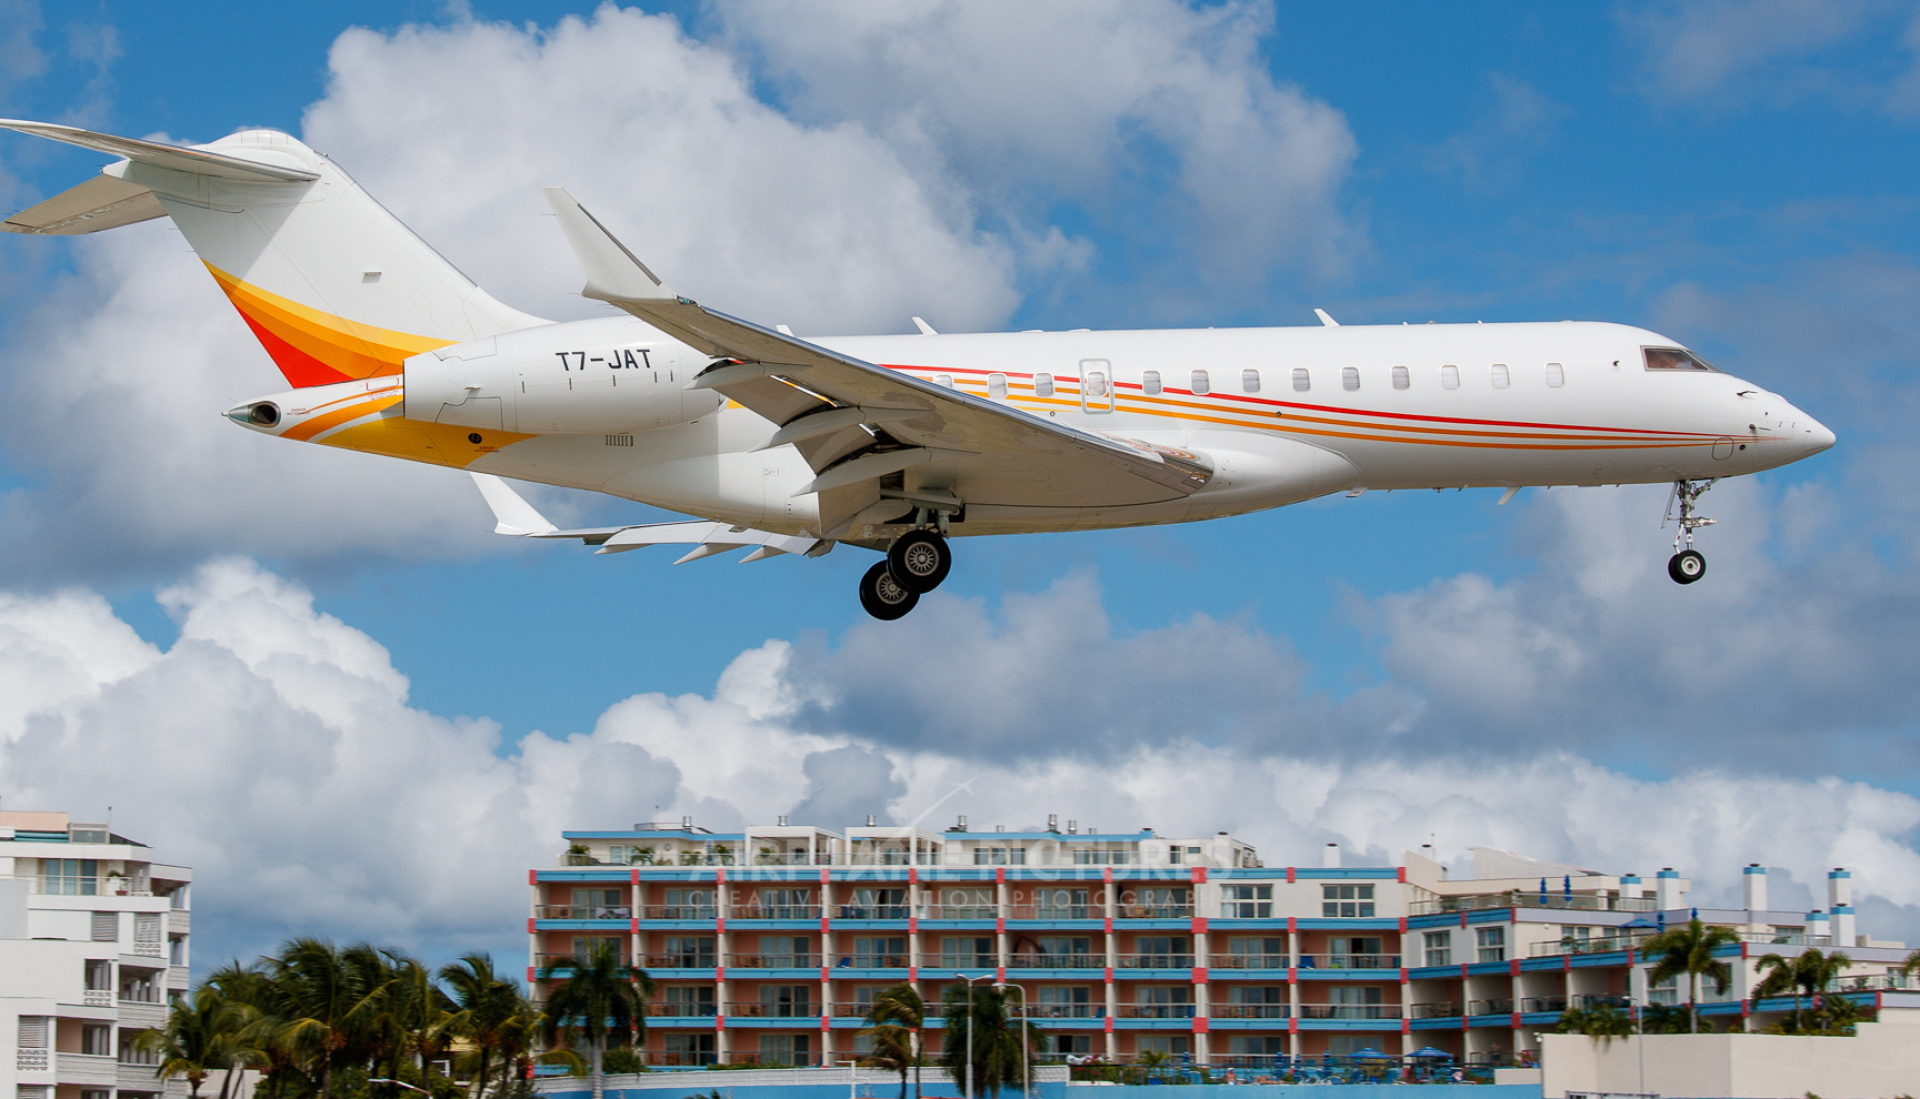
pixel 334 286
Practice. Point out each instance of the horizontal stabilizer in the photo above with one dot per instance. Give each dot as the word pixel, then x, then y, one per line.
pixel 100 203
pixel 518 518
pixel 177 157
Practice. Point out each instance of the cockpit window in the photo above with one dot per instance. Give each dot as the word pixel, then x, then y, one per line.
pixel 1673 358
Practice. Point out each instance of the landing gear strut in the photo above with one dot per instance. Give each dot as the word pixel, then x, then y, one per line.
pixel 1687 565
pixel 916 564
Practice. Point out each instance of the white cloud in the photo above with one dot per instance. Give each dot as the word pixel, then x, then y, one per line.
pixel 1723 53
pixel 1033 103
pixel 273 749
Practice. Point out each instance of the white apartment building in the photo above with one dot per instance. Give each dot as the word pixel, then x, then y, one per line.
pixel 93 947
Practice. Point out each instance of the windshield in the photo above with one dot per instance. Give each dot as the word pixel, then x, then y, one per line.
pixel 1674 358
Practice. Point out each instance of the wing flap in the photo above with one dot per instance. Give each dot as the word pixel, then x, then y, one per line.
pixel 102 202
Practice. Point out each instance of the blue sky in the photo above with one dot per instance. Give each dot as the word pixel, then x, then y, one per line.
pixel 1739 177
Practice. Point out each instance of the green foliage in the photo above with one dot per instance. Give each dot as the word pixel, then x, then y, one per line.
pixel 1807 976
pixel 996 1045
pixel 1687 951
pixel 602 1002
pixel 1601 1022
pixel 1665 1019
pixel 622 1061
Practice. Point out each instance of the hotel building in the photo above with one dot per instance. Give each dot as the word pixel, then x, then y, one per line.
pixel 93 946
pixel 769 945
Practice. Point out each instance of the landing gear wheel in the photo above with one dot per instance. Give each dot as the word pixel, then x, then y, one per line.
pixel 1686 566
pixel 919 560
pixel 882 595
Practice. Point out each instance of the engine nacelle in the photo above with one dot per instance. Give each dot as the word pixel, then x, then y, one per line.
pixel 610 376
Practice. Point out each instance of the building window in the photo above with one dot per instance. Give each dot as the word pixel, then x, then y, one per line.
pixel 1072 1045
pixel 1061 904
pixel 786 1001
pixel 689 953
pixel 1500 376
pixel 999 856
pixel 1302 381
pixel 1449 377
pixel 1066 1002
pixel 1173 1045
pixel 1063 946
pixel 33 1032
pixel 877 953
pixel 967 953
pixel 1350 379
pixel 997 386
pixel 1438 946
pixel 1492 944
pixel 1256 1002
pixel 1150 382
pixel 1163 1002
pixel 1249 381
pixel 70 877
pixel 99 975
pixel 1200 383
pixel 1355 1002
pixel 96 1040
pixel 690 1049
pixel 1346 902
pixel 1043 385
pixel 786 951
pixel 106 927
pixel 1262 953
pixel 1556 375
pixel 1256 1045
pixel 785 904
pixel 690 1000
pixel 1401 379
pixel 1247 902
pixel 1164 952
pixel 689 904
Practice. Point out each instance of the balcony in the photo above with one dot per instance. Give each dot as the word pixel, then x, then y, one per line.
pixel 682 961
pixel 1057 961
pixel 878 912
pixel 97 997
pixel 773 961
pixel 1249 1011
pixel 1349 961
pixel 1057 912
pixel 1436 1011
pixel 957 912
pixel 963 961
pixel 1598 1001
pixel 775 912
pixel 1068 1011
pixel 1489 1007
pixel 1156 1011
pixel 1350 1011
pixel 1249 961
pixel 679 912
pixel 569 960
pixel 1155 961
pixel 1533 1004
pixel 1154 911
pixel 669 1010
pixel 872 961
pixel 138 1075
pixel 1583 946
pixel 582 912
pixel 86 1068
pixel 753 1009
pixel 1776 938
pixel 1521 898
pixel 32 1060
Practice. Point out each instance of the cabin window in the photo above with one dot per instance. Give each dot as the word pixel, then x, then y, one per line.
pixel 1401 379
pixel 1672 358
pixel 1350 378
pixel 1150 382
pixel 997 386
pixel 1095 383
pixel 1200 383
pixel 1250 381
pixel 1500 377
pixel 1556 375
pixel 1449 377
pixel 943 379
pixel 1043 385
pixel 1302 381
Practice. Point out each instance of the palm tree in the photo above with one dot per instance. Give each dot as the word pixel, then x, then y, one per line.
pixel 1689 950
pixel 190 1044
pixel 1603 1022
pixel 328 999
pixel 1807 974
pixel 996 1054
pixel 892 1048
pixel 601 999
pixel 490 1009
pixel 902 1006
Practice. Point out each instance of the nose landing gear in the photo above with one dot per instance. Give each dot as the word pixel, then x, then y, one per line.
pixel 1688 564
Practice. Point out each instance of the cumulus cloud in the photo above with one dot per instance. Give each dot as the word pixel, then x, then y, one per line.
pixel 1033 104
pixel 273 748
pixel 1725 53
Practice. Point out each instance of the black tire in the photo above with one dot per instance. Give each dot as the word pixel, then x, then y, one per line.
pixel 1686 566
pixel 919 560
pixel 882 595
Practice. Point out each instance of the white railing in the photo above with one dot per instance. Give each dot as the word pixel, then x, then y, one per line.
pixel 97 997
pixel 32 1060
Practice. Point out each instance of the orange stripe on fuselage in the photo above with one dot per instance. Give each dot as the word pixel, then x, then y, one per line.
pixel 316 348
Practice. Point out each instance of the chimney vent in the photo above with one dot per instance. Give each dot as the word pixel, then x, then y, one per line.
pixel 1073 828
pixel 962 825
pixel 686 824
pixel 1330 856
pixel 869 820
pixel 1053 822
pixel 783 820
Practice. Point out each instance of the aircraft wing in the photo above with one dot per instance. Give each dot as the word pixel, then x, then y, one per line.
pixel 514 516
pixel 855 422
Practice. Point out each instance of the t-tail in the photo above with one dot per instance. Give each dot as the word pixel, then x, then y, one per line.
pixel 334 286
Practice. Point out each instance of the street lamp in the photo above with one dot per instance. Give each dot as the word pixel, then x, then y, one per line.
pixel 970 980
pixel 1026 1067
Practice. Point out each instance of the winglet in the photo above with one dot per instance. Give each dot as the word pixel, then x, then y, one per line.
pixel 925 328
pixel 613 273
pixel 514 514
pixel 1326 320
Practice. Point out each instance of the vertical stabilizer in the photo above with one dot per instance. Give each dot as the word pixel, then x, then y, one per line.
pixel 334 286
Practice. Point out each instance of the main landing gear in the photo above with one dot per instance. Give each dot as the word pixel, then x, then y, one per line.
pixel 916 564
pixel 1687 565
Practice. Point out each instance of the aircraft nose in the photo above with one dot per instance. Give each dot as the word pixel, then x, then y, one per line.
pixel 1816 435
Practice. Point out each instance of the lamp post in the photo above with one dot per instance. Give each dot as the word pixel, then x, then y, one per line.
pixel 1026 1067
pixel 970 980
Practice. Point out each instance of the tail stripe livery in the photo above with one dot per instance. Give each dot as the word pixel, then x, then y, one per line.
pixel 316 348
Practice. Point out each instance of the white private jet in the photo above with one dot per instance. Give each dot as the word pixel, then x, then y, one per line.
pixel 891 443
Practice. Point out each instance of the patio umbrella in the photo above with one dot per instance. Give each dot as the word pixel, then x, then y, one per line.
pixel 1566 886
pixel 1543 890
pixel 1370 1054
pixel 1429 1051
